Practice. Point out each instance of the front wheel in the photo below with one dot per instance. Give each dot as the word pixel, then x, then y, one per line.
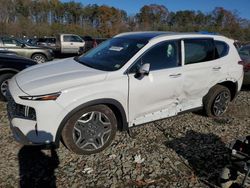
pixel 216 101
pixel 90 130
pixel 39 58
pixel 4 85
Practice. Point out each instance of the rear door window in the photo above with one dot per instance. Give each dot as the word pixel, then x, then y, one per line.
pixel 199 50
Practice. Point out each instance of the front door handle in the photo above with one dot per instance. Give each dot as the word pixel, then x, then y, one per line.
pixel 216 68
pixel 175 75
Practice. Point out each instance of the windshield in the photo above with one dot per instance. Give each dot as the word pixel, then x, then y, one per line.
pixel 21 42
pixel 111 55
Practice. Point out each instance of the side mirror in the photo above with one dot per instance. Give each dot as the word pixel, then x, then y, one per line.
pixel 22 45
pixel 144 69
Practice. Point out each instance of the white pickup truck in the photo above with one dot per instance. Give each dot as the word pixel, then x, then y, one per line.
pixel 68 43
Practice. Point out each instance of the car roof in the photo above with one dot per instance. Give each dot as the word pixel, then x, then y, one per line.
pixel 150 35
pixel 146 35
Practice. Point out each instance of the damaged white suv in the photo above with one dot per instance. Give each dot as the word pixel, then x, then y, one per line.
pixel 131 79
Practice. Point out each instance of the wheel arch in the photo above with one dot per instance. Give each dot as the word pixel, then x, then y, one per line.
pixel 8 71
pixel 232 86
pixel 113 104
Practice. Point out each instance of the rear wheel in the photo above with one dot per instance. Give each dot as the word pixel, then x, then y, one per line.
pixel 39 58
pixel 4 85
pixel 90 130
pixel 216 101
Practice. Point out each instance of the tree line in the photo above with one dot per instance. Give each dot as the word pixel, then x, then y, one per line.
pixel 48 17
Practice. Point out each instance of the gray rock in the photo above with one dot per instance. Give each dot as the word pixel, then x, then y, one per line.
pixel 178 152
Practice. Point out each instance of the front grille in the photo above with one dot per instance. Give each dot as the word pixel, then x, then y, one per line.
pixel 19 111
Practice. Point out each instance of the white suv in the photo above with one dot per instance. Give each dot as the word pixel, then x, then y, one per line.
pixel 131 79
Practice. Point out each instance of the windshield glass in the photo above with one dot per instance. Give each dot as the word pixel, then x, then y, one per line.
pixel 111 55
pixel 20 42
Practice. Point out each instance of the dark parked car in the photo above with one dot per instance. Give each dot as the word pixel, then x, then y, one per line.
pixel 39 54
pixel 245 56
pixel 90 43
pixel 9 66
pixel 100 40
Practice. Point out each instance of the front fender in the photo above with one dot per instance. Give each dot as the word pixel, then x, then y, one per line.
pixel 106 101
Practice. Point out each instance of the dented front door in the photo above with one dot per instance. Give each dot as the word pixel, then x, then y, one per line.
pixel 156 96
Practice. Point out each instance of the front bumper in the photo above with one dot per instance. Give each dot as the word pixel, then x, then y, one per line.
pixel 19 136
pixel 23 139
pixel 31 122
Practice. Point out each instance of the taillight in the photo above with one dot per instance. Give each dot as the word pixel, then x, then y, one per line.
pixel 246 65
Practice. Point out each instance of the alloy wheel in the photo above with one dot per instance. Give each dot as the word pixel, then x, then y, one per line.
pixel 92 130
pixel 221 103
pixel 39 59
pixel 4 87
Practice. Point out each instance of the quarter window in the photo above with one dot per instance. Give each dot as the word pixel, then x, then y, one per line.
pixel 222 48
pixel 199 50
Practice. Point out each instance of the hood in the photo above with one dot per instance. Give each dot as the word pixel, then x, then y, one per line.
pixel 57 76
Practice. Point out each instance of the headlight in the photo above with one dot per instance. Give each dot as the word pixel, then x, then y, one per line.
pixel 47 97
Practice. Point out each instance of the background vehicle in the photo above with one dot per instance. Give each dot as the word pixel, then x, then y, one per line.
pixel 46 41
pixel 90 43
pixel 9 66
pixel 2 51
pixel 131 79
pixel 68 43
pixel 236 174
pixel 245 56
pixel 38 54
pixel 31 41
pixel 245 53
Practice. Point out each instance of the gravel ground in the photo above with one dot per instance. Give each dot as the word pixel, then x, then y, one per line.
pixel 184 151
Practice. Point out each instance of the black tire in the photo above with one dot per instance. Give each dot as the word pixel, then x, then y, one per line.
pixel 69 131
pixel 39 58
pixel 3 79
pixel 209 100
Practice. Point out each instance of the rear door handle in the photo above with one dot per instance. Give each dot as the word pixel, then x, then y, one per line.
pixel 216 68
pixel 175 75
